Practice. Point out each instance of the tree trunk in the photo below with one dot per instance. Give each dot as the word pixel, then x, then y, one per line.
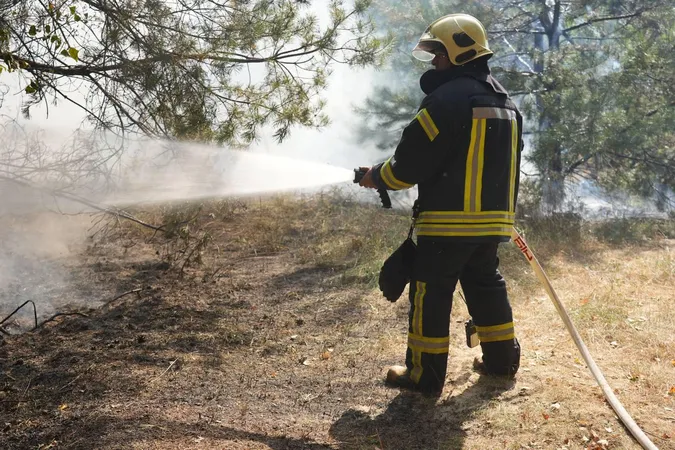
pixel 553 183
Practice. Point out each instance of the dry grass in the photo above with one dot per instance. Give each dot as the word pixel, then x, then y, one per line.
pixel 620 299
pixel 280 340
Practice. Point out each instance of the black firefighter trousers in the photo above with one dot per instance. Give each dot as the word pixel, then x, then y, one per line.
pixel 438 267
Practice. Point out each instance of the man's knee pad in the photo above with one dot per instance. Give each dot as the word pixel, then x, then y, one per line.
pixel 502 357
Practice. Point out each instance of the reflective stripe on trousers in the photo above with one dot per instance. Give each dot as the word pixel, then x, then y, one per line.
pixel 438 267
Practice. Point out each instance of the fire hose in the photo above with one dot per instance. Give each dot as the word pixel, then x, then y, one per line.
pixel 627 420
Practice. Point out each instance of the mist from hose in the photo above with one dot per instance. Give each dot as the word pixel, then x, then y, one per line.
pixel 193 171
pixel 41 248
pixel 45 255
pixel 113 171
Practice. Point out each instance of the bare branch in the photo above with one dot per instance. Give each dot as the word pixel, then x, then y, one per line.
pixel 603 19
pixel 75 198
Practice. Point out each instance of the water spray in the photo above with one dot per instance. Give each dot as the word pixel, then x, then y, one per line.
pixel 627 420
pixel 204 172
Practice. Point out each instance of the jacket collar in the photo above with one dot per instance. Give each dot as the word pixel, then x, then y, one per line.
pixel 433 79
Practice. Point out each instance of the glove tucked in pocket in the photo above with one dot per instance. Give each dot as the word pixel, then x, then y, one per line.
pixel 397 270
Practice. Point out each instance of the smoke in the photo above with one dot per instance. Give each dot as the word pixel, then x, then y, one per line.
pixel 39 261
pixel 40 241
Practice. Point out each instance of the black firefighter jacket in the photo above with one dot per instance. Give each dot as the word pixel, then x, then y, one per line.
pixel 463 151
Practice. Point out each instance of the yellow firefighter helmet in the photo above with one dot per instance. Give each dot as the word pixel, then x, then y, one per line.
pixel 462 35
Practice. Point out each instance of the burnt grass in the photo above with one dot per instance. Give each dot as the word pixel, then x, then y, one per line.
pixel 262 343
pixel 264 337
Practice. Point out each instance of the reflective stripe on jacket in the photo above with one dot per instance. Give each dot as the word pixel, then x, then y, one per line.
pixel 463 150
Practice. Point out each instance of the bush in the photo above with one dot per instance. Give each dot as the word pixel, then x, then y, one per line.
pixel 633 229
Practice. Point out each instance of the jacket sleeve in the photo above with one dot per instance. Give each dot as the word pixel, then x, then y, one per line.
pixel 420 153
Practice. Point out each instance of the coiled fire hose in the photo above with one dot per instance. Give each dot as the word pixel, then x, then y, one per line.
pixel 627 420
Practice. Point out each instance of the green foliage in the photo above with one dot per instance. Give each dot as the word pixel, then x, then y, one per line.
pixel 193 69
pixel 640 145
pixel 594 79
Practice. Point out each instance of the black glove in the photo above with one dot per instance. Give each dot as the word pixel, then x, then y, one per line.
pixel 397 270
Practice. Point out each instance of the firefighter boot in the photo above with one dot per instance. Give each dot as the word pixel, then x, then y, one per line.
pixel 479 366
pixel 507 365
pixel 399 376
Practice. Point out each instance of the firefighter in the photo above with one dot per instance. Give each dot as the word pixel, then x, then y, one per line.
pixel 463 151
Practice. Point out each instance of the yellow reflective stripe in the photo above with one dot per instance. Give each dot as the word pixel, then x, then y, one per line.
pixel 463 233
pixel 495 333
pixel 473 183
pixel 491 328
pixel 428 124
pixel 466 221
pixel 505 337
pixel 430 350
pixel 436 233
pixel 416 372
pixel 462 214
pixel 514 154
pixel 428 340
pixel 428 345
pixel 478 193
pixel 448 230
pixel 418 305
pixel 469 165
pixel 387 175
pixel 464 226
pixel 493 113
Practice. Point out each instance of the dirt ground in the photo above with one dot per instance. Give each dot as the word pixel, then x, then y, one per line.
pixel 277 340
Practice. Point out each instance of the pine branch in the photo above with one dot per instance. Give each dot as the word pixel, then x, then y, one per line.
pixel 603 19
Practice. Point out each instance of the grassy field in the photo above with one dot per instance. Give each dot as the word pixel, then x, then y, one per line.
pixel 257 324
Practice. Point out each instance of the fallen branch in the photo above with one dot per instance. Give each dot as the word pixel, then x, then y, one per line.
pixel 61 314
pixel 114 212
pixel 18 308
pixel 26 390
pixel 162 374
pixel 37 326
pixel 137 290
pixel 75 379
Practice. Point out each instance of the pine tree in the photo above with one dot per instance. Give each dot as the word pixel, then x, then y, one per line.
pixel 193 69
pixel 591 77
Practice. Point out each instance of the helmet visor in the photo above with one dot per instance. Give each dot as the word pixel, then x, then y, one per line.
pixel 426 50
